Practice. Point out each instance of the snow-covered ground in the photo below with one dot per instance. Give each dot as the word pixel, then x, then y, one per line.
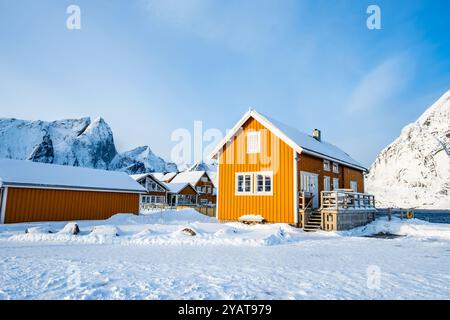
pixel 152 256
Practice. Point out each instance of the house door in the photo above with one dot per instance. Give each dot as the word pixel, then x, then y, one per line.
pixel 309 182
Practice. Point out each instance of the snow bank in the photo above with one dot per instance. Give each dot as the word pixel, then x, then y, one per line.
pixel 251 218
pixel 412 228
pixel 166 228
pixel 106 230
pixel 70 228
pixel 163 228
pixel 39 230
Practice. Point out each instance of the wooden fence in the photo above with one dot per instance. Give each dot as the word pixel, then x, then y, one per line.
pixel 207 210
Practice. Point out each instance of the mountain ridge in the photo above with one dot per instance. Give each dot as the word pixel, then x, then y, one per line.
pixel 414 170
pixel 75 142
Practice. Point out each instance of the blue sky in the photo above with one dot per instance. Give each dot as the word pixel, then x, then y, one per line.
pixel 152 66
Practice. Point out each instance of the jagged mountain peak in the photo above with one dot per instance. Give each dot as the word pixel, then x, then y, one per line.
pixel 200 166
pixel 141 160
pixel 75 142
pixel 414 170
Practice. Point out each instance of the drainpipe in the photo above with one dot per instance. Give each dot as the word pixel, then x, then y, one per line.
pixel 3 198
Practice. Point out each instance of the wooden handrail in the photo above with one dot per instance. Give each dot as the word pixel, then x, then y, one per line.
pixel 302 200
pixel 344 199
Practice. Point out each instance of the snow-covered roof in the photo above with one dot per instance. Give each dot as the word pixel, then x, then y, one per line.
pixel 177 187
pixel 191 177
pixel 298 140
pixel 139 177
pixel 34 174
pixel 164 176
pixel 213 176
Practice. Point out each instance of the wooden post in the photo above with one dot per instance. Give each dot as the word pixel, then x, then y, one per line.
pixel 389 214
pixel 337 201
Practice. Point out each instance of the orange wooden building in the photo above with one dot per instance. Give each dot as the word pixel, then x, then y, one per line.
pixel 181 194
pixel 156 190
pixel 264 167
pixel 202 182
pixel 33 192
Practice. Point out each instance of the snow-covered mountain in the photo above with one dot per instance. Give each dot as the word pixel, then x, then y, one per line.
pixel 74 142
pixel 202 166
pixel 414 171
pixel 141 160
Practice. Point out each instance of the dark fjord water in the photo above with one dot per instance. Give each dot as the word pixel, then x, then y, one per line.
pixel 434 216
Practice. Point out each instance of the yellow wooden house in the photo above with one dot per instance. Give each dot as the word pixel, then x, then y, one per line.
pixel 273 172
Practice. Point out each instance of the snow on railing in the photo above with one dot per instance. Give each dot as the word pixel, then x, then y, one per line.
pixel 346 199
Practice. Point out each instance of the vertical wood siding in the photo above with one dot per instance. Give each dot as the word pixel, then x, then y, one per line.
pixel 315 165
pixel 32 205
pixel 154 193
pixel 353 174
pixel 188 191
pixel 278 207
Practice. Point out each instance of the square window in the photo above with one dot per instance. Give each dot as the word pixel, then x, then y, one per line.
pixel 335 167
pixel 326 165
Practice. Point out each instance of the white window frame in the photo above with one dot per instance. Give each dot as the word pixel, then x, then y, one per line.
pixel 264 174
pixel 326 165
pixel 253 146
pixel 243 192
pixel 335 182
pixel 335 165
pixel 354 182
pixel 326 178
pixel 253 183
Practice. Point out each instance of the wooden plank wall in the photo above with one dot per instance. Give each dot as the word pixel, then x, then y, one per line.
pixel 276 208
pixel 32 205
pixel 208 196
pixel 315 165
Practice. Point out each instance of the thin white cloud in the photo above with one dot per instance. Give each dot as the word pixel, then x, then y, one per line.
pixel 381 84
pixel 235 25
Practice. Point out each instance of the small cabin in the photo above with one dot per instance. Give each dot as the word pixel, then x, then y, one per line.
pixel 181 194
pixel 202 183
pixel 272 170
pixel 156 190
pixel 34 192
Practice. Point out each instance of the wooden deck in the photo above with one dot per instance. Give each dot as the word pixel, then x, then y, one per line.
pixel 340 209
pixel 345 199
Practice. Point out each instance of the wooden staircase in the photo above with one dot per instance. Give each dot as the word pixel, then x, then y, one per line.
pixel 314 222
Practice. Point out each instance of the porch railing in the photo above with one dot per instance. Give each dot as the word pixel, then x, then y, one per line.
pixel 305 200
pixel 346 199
